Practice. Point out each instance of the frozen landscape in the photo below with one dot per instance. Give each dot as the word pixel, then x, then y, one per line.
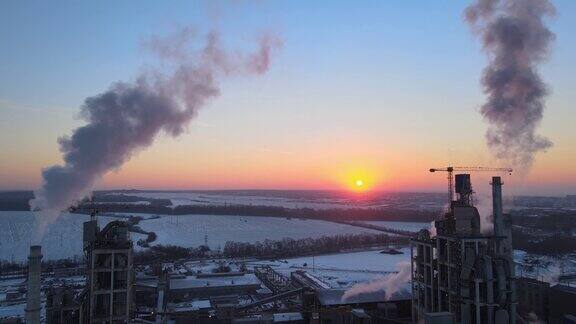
pixel 298 199
pixel 63 239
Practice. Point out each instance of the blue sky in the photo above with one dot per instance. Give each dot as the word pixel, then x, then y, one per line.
pixel 390 75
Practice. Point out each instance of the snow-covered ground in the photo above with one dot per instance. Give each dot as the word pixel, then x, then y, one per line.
pixel 324 200
pixel 63 238
pixel 546 268
pixel 188 198
pixel 343 270
pixel 189 230
pixel 405 226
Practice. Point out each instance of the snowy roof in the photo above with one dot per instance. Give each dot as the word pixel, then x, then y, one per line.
pixel 332 297
pixel 359 312
pixel 287 317
pixel 193 282
pixel 191 306
pixel 12 310
pixel 205 303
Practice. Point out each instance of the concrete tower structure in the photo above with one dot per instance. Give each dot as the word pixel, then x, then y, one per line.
pixel 461 270
pixel 33 292
pixel 109 275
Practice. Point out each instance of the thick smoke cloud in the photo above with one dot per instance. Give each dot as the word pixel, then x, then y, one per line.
pixel 387 286
pixel 127 117
pixel 516 40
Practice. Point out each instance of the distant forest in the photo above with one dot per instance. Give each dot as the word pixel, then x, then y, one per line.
pixel 547 232
pixel 107 203
pixel 270 249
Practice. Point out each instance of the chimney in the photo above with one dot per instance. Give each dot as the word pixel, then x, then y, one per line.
pixel 33 292
pixel 502 222
pixel 497 207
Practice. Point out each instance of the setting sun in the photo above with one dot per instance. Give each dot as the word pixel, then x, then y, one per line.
pixel 358 176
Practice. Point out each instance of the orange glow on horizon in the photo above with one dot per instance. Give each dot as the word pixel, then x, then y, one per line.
pixel 359 179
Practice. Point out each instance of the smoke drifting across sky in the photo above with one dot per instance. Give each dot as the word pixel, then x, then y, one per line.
pixel 516 40
pixel 128 116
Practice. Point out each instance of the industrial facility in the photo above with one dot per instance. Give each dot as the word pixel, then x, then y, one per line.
pixel 462 275
pixel 459 274
pixel 461 271
pixel 112 289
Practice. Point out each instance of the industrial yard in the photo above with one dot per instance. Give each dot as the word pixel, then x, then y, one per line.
pixel 213 287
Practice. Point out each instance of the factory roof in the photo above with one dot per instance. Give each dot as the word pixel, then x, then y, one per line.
pixel 333 297
pixel 193 282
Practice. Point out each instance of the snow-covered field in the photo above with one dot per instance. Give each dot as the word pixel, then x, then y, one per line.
pixel 188 198
pixel 315 200
pixel 189 230
pixel 63 238
pixel 405 226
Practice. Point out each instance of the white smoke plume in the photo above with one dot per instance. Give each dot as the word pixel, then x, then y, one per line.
pixel 127 117
pixel 432 229
pixel 516 40
pixel 389 284
pixel 483 202
pixel 534 319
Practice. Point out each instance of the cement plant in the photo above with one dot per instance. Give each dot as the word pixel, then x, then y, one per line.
pixel 451 272
pixel 298 162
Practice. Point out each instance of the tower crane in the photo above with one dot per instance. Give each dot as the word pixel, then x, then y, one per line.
pixel 451 169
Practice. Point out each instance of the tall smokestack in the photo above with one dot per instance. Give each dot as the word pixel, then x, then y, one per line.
pixel 497 206
pixel 502 222
pixel 33 293
pixel 503 229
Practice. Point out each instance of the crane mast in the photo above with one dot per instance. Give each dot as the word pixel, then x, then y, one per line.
pixel 450 170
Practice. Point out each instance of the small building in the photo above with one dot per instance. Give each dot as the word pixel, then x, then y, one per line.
pixel 439 318
pixel 14 296
pixel 562 301
pixel 375 307
pixel 62 306
pixel 288 318
pixel 533 297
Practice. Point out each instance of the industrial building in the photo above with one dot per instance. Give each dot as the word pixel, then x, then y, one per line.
pixel 110 272
pixel 461 270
